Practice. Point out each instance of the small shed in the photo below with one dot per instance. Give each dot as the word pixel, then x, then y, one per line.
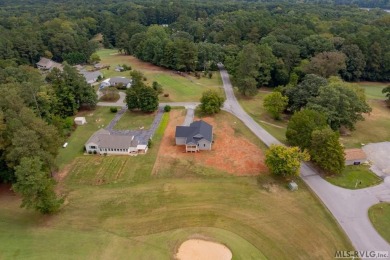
pixel 293 186
pixel 355 156
pixel 80 121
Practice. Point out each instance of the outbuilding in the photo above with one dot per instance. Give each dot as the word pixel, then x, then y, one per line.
pixel 80 121
pixel 355 156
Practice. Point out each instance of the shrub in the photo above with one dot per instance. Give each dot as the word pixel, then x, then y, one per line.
pixel 94 152
pixel 113 109
pixel 166 95
pixel 167 108
pixel 144 78
pixel 150 143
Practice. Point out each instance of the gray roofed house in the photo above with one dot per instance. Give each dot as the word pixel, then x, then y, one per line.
pixel 103 142
pixel 115 81
pixel 48 64
pixel 91 76
pixel 197 136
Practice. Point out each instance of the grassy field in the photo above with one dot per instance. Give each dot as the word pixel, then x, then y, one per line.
pixel 116 209
pixel 254 107
pixel 380 217
pixel 355 177
pixel 179 88
pixel 135 120
pixel 373 90
pixel 96 119
pixel 374 129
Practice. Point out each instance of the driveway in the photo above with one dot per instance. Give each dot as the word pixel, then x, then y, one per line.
pixel 379 155
pixel 349 207
pixel 119 103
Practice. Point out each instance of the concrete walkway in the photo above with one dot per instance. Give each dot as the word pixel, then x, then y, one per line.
pixel 349 207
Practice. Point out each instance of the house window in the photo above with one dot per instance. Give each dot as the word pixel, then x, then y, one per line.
pixel 204 145
pixel 92 147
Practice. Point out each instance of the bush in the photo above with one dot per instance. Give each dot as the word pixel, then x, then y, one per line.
pixel 210 74
pixel 89 152
pixel 157 87
pixel 126 67
pixel 150 143
pixel 94 152
pixel 144 78
pixel 166 95
pixel 167 108
pixel 113 109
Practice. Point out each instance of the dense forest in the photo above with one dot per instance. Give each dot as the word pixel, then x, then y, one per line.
pixel 261 43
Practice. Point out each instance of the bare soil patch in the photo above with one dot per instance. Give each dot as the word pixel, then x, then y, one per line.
pixel 231 152
pixel 200 249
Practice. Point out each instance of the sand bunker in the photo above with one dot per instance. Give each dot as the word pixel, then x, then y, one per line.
pixel 196 249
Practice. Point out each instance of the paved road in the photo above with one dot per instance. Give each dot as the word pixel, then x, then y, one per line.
pixel 347 206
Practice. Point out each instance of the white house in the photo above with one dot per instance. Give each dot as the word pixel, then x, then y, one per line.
pixel 102 142
pixel 80 121
pixel 116 81
pixel 197 136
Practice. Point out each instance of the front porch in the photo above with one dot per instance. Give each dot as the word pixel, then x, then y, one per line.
pixel 192 148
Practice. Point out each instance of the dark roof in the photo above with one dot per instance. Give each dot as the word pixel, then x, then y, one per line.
pixel 197 130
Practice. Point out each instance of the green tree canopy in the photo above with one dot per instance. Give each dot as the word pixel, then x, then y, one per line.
pixel 211 102
pixel 343 105
pixel 302 124
pixel 285 161
pixel 275 103
pixel 326 150
pixel 35 186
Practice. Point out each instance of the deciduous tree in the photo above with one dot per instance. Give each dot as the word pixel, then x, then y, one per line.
pixel 326 64
pixel 302 124
pixel 285 161
pixel 35 186
pixel 211 102
pixel 275 103
pixel 326 150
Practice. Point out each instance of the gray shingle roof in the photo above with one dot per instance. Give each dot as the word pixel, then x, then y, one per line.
pixel 123 80
pixel 197 130
pixel 104 140
pixel 91 75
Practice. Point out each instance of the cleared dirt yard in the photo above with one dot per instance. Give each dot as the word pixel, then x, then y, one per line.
pixel 231 151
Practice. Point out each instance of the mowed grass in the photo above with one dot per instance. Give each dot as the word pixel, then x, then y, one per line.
pixel 96 119
pixel 180 88
pixel 373 90
pixel 375 127
pixel 254 107
pixel 355 177
pixel 150 220
pixel 115 209
pixel 134 120
pixel 380 217
pixel 124 170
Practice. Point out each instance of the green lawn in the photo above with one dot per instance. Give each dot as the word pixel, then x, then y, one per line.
pixel 373 90
pixel 380 217
pixel 135 121
pixel 355 177
pixel 96 119
pixel 179 88
pixel 116 209
pixel 254 107
pixel 374 129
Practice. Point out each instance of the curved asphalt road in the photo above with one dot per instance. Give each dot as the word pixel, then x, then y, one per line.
pixel 349 207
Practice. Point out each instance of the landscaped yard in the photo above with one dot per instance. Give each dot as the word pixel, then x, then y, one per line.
pixel 380 217
pixel 355 177
pixel 134 120
pixel 254 107
pixel 116 209
pixel 179 88
pixel 96 119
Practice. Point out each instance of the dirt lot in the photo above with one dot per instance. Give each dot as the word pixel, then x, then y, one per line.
pixel 231 152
